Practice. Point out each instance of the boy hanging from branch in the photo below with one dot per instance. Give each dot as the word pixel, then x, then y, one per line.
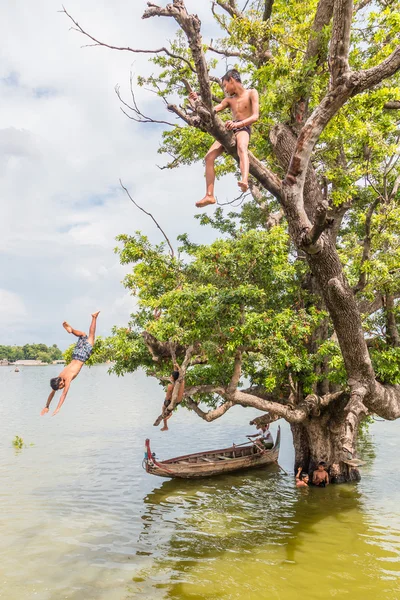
pixel 244 106
pixel 166 413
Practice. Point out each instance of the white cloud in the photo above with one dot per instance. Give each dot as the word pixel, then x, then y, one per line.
pixel 13 314
pixel 64 143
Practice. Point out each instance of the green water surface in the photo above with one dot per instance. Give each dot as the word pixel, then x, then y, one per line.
pixel 81 520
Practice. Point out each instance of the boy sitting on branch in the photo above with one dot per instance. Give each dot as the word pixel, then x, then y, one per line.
pixel 244 106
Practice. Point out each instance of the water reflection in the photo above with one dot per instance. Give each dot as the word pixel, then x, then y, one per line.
pixel 234 536
pixel 80 519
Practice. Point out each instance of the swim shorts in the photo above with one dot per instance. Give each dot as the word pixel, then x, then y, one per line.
pixel 245 128
pixel 82 349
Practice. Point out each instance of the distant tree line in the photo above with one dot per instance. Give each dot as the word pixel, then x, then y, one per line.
pixel 31 352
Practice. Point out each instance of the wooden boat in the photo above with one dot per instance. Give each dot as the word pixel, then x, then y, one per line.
pixel 213 462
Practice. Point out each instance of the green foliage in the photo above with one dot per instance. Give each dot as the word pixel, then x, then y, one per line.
pixel 18 442
pixel 248 288
pixel 240 292
pixel 31 352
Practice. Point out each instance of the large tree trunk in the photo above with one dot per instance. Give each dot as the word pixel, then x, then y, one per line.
pixel 320 439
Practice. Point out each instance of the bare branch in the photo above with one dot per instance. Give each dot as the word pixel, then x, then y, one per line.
pixel 366 247
pixel 219 19
pixel 293 414
pixel 125 48
pixel 193 121
pixel 211 415
pixel 151 216
pixel 365 80
pixel 190 24
pixel 137 115
pixel 392 105
pixel 320 224
pixel 204 389
pixel 361 4
pixel 227 53
pixel 230 7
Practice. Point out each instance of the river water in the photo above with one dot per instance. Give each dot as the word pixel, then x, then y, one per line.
pixel 81 520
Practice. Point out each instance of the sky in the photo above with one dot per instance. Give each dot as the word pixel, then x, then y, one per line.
pixel 64 145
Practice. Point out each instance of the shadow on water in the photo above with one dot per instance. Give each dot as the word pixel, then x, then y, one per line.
pixel 230 537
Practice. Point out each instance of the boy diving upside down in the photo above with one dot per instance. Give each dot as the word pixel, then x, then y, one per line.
pixel 245 111
pixel 83 349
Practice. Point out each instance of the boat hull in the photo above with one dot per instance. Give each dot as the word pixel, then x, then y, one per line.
pixel 213 463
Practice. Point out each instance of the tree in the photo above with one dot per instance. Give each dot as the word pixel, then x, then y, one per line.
pixel 44 357
pixel 300 293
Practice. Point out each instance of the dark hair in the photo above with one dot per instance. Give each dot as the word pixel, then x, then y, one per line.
pixel 322 463
pixel 232 74
pixel 55 383
pixel 175 375
pixel 304 475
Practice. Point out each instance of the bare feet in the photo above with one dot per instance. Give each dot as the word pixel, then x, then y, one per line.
pixel 67 327
pixel 205 201
pixel 244 186
pixel 96 314
pixel 44 411
pixel 164 429
pixel 55 412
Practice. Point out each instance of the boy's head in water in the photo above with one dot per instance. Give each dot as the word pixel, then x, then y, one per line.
pixel 304 477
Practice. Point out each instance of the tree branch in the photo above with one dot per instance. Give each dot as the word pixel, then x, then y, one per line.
pixel 392 105
pixel 340 40
pixel 151 216
pixel 366 247
pixel 237 371
pixel 211 415
pixel 230 53
pixel 365 80
pixel 97 42
pixel 230 7
pixel 361 4
pixel 140 117
pixel 268 9
pixel 311 405
pixel 320 224
pixel 204 389
pixel 190 24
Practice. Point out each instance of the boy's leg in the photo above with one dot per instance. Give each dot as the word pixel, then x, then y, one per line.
pixel 70 329
pixel 92 330
pixel 213 153
pixel 165 428
pixel 242 143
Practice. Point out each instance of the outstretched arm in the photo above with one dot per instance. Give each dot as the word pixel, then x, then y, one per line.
pixel 63 396
pixel 49 399
pixel 298 473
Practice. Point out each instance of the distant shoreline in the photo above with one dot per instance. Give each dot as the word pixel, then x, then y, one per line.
pixel 33 363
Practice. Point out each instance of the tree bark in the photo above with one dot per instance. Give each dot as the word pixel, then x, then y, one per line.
pixel 319 439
